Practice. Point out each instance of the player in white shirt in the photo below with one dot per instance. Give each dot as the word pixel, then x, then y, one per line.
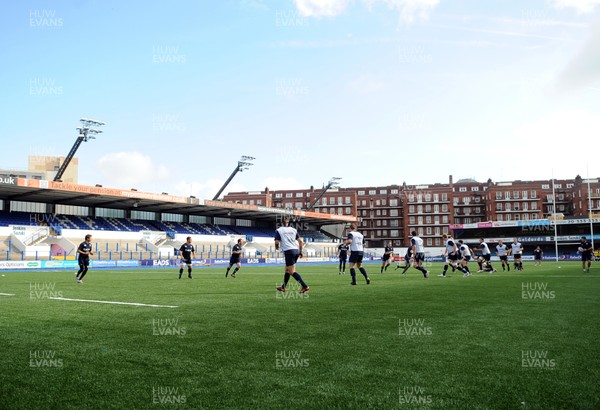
pixel 465 254
pixel 291 243
pixel 418 254
pixel 355 240
pixel 502 252
pixel 516 249
pixel 451 253
pixel 484 259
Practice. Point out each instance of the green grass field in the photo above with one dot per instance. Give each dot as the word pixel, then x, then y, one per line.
pixel 401 342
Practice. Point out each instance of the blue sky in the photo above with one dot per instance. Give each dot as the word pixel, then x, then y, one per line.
pixel 374 91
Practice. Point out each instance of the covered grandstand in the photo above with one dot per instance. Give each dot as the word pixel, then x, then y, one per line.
pixel 44 222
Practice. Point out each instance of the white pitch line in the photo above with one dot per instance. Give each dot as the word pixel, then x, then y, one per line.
pixel 7 294
pixel 114 303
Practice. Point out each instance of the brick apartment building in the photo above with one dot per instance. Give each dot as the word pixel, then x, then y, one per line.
pixel 390 213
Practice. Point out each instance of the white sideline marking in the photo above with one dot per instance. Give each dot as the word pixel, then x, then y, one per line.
pixel 7 294
pixel 115 303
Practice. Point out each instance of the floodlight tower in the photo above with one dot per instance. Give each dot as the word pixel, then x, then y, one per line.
pixel 86 132
pixel 333 183
pixel 242 165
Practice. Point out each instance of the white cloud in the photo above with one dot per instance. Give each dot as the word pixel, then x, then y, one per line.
pixel 320 8
pixel 410 10
pixel 584 69
pixel 581 6
pixel 130 169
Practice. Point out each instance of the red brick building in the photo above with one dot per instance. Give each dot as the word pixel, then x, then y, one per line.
pixel 391 213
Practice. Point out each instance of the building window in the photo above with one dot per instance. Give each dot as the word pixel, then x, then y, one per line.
pixel 394 191
pixel 411 209
pixel 361 192
pixel 533 194
pixel 411 220
pixel 570 185
pixel 419 197
pixel 557 186
pixel 348 201
pixel 436 197
pixel 363 202
pixel 394 233
pixel 411 198
pixel 462 189
pixel 507 195
pixel 498 195
pixel 444 208
pixel 545 186
pixel 278 195
pixel 436 208
pixel 427 208
pixel 534 206
pixel 372 192
pixel 429 242
pixel 299 195
pixel 348 211
pixel 427 197
pixel 428 219
pixel 393 202
pixel 383 191
pixel 444 197
pixel 378 212
pixel 419 209
pixel 289 195
pixel 474 188
pixel 259 202
pixel 394 222
pixel 445 219
pixel 499 217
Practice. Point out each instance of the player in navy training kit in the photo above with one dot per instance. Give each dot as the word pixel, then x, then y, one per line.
pixel 187 253
pixel 407 258
pixel 355 240
pixel 387 257
pixel 537 256
pixel 236 253
pixel 83 257
pixel 343 254
pixel 291 243
pixel 586 253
